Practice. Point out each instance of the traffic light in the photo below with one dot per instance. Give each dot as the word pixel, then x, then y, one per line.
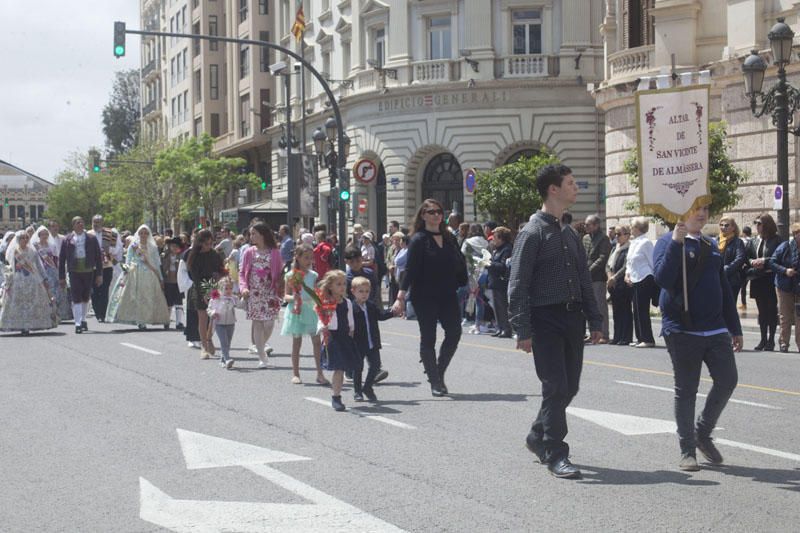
pixel 95 163
pixel 5 202
pixel 344 185
pixel 265 183
pixel 119 39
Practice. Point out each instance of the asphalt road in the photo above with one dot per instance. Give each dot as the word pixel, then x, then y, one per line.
pixel 98 435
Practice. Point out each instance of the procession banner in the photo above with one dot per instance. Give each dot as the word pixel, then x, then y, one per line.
pixel 672 134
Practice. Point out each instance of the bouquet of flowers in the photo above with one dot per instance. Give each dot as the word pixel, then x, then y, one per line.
pixel 297 283
pixel 209 288
pixel 325 309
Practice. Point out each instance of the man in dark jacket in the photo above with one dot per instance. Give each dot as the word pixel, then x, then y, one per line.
pixel 701 335
pixel 80 257
pixel 598 250
pixel 498 273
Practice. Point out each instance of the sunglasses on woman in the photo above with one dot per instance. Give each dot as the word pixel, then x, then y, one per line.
pixel 434 212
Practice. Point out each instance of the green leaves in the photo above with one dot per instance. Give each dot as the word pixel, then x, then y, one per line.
pixel 508 193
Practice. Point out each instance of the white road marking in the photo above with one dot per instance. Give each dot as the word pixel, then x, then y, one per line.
pixel 358 412
pixel 146 350
pixel 667 389
pixel 385 344
pixel 321 513
pixel 759 449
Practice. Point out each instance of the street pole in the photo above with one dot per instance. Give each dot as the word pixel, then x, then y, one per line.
pixel 290 214
pixel 782 123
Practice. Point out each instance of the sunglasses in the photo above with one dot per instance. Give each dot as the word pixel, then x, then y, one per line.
pixel 724 225
pixel 620 234
pixel 434 212
pixel 757 222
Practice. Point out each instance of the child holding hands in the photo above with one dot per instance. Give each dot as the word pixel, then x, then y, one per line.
pixel 337 326
pixel 222 315
pixel 367 337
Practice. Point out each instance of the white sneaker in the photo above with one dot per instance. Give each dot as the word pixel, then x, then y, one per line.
pixel 264 363
pixel 194 344
pixel 465 322
pixel 229 364
pixel 253 349
pixel 222 364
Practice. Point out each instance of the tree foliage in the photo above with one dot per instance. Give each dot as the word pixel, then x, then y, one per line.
pixel 121 114
pixel 508 193
pixel 76 193
pixel 724 178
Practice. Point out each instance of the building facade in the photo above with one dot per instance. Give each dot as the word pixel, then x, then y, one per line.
pixel 645 38
pixel 427 90
pixel 24 198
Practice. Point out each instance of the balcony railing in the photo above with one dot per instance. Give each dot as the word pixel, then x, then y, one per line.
pixel 525 66
pixel 149 108
pixel 365 80
pixel 148 68
pixel 631 62
pixel 435 71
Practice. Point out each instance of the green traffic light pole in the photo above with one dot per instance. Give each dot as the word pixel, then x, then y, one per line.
pixel 342 162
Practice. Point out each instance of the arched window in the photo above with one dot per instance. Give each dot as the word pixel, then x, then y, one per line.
pixel 443 181
pixel 516 156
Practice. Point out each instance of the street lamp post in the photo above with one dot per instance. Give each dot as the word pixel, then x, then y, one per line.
pixel 781 102
pixel 325 141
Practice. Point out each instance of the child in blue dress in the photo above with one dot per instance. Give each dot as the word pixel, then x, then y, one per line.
pixel 299 318
pixel 337 326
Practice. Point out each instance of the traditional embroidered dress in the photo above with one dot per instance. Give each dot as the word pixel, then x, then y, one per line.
pixel 26 304
pixel 137 297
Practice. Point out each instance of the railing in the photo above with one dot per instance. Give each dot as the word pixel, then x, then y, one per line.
pixel 434 71
pixel 149 108
pixel 631 61
pixel 365 80
pixel 148 68
pixel 525 66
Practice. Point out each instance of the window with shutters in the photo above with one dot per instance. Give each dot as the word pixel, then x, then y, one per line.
pixel 637 23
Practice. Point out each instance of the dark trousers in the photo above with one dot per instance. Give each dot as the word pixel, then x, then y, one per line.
pixel 500 305
pixel 642 296
pixel 688 353
pixel 374 366
pixel 432 310
pixel 767 304
pixel 557 337
pixel 744 292
pixel 192 329
pixel 100 294
pixel 621 307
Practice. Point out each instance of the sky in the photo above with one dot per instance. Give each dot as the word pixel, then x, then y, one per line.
pixel 56 72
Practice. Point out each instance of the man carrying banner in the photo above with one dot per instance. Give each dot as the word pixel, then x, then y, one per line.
pixel 700 335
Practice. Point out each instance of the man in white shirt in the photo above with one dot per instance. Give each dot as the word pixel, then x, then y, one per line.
pixel 639 275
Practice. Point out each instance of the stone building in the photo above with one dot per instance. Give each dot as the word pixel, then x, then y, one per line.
pixel 645 38
pixel 23 198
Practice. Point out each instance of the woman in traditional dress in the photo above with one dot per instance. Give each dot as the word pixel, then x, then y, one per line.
pixel 27 303
pixel 138 295
pixel 48 253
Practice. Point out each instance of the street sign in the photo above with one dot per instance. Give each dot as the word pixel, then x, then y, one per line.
pixel 365 171
pixel 470 178
pixel 778 203
pixel 395 181
pixel 582 184
pixel 318 511
pixel 362 206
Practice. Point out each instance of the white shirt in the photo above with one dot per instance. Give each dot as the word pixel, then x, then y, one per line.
pixel 333 325
pixel 639 264
pixel 80 245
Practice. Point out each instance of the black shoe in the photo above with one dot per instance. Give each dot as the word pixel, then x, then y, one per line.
pixel 358 397
pixel 497 333
pixel 535 446
pixel 166 326
pixel 709 450
pixel 436 390
pixel 785 349
pixel 78 329
pixel 370 394
pixel 505 335
pixel 25 333
pixel 760 346
pixel 336 403
pixel 383 374
pixel 443 387
pixel 84 326
pixel 564 469
pixel 101 320
pixel 142 327
pixel 769 347
pixel 179 326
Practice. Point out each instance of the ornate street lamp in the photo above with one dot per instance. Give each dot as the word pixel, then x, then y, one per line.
pixel 780 102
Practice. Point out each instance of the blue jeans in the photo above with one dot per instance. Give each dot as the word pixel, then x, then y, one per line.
pixel 225 335
pixel 688 353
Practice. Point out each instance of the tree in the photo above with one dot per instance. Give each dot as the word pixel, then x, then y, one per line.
pixel 121 113
pixel 77 192
pixel 198 176
pixel 724 178
pixel 508 193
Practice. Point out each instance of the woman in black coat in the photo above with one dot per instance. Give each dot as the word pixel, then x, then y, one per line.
pixel 621 293
pixel 498 279
pixel 434 271
pixel 733 253
pixel 762 279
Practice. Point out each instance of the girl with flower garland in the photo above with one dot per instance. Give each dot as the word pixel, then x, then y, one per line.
pixel 337 325
pixel 261 283
pixel 222 314
pixel 299 318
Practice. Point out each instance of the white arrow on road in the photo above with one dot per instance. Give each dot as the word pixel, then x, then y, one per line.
pixel 639 425
pixel 324 513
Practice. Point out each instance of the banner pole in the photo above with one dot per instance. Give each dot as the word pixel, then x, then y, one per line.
pixel 685 280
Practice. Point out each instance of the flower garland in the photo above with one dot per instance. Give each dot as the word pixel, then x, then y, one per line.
pixel 296 281
pixel 325 309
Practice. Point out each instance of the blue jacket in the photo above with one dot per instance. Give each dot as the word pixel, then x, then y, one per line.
pixel 733 259
pixel 785 257
pixel 711 304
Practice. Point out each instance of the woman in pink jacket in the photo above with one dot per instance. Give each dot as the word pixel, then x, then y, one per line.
pixel 261 283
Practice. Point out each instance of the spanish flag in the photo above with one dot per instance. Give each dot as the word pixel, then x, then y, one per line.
pixel 299 25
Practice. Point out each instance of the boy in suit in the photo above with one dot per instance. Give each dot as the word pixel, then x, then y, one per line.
pixel 367 337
